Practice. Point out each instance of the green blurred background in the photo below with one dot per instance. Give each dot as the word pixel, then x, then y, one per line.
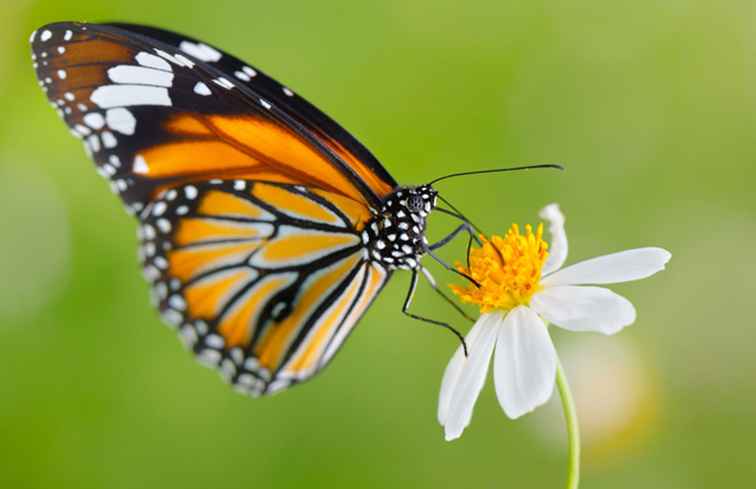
pixel 650 105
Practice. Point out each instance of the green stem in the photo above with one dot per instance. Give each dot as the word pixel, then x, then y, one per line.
pixel 573 430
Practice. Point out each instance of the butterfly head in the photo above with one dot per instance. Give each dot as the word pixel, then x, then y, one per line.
pixel 420 200
pixel 396 235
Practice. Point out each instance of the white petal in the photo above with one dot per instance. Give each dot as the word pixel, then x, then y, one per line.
pixel 558 245
pixel 611 269
pixel 462 383
pixel 524 363
pixel 453 369
pixel 584 308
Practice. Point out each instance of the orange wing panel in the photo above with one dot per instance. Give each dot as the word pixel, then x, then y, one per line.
pixel 216 203
pixel 198 230
pixel 238 324
pixel 284 151
pixel 313 347
pixel 295 205
pixel 189 262
pixel 275 343
pixel 242 147
pixel 206 297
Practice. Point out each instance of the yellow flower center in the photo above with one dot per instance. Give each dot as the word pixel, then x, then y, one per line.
pixel 508 269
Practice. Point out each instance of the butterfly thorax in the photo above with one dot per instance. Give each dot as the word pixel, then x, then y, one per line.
pixel 395 237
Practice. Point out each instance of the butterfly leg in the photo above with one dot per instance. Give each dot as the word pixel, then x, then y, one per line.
pixel 408 303
pixel 449 267
pixel 465 226
pixel 446 239
pixel 437 289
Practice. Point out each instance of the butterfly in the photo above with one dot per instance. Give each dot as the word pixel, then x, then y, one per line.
pixel 266 230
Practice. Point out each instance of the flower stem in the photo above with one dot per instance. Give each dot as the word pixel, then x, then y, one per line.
pixel 573 430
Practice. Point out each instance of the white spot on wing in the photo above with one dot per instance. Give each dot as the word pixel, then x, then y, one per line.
pixel 108 139
pixel 140 166
pixel 94 120
pixel 177 302
pixel 167 56
pixel 164 225
pixel 68 35
pixel 140 76
pixel 109 96
pixel 121 120
pixel 152 61
pixel 83 130
pixel 242 76
pixel 46 35
pixel 223 82
pixel 214 341
pixel 159 208
pixel 203 52
pixel 202 89
pixel 183 60
pixel 94 143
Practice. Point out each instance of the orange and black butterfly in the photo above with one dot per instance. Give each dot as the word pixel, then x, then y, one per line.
pixel 266 229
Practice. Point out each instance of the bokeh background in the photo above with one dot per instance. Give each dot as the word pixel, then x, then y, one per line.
pixel 652 107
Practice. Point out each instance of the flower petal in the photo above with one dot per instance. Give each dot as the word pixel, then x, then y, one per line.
pixel 524 363
pixel 450 379
pixel 610 269
pixel 464 377
pixel 579 308
pixel 558 246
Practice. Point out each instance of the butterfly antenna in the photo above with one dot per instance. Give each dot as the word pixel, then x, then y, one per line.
pixel 497 170
pixel 458 214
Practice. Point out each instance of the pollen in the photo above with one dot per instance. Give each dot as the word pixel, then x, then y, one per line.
pixel 507 268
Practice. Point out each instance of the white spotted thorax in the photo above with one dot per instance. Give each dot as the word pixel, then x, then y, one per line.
pixel 395 237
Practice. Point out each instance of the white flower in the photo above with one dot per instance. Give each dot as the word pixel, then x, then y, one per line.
pixel 522 289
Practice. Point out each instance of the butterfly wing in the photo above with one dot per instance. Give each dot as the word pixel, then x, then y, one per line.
pixel 251 201
pixel 262 280
pixel 155 109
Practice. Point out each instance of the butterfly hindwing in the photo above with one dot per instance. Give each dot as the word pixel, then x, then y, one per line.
pixel 155 110
pixel 263 280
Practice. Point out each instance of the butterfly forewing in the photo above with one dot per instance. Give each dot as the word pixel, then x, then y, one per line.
pixel 264 280
pixel 153 115
pixel 325 129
